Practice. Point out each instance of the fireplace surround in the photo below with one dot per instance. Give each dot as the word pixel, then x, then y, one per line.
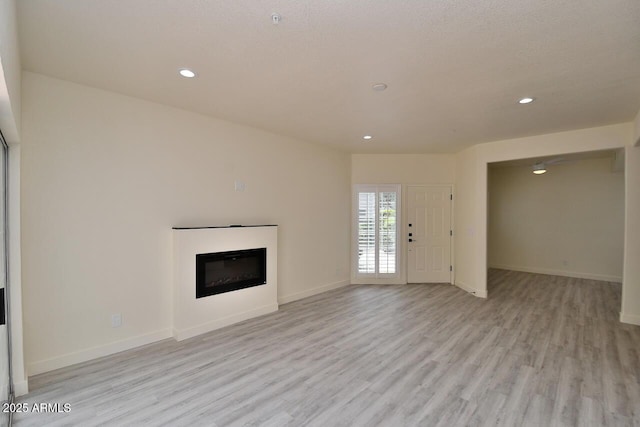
pixel 193 314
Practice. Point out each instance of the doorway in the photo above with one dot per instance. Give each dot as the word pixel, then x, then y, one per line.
pixel 559 215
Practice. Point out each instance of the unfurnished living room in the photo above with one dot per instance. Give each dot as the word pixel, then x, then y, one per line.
pixel 323 213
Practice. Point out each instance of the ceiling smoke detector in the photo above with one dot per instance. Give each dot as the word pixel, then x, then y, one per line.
pixel 276 18
pixel 379 87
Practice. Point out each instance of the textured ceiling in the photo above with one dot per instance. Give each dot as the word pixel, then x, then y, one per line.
pixel 455 69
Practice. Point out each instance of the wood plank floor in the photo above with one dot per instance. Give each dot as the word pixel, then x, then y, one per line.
pixel 542 350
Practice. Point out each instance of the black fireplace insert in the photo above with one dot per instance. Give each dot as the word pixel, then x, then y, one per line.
pixel 220 272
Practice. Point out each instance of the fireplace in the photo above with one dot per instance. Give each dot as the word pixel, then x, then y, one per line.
pixel 221 272
pixel 194 315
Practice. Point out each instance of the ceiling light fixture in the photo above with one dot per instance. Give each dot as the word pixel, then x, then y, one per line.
pixel 379 87
pixel 367 137
pixel 185 72
pixel 539 168
pixel 526 100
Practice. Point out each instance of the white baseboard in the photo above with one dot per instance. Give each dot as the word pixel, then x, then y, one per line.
pixel 312 292
pixel 183 334
pixel 371 281
pixel 578 275
pixel 69 359
pixel 21 388
pixel 475 292
pixel 632 319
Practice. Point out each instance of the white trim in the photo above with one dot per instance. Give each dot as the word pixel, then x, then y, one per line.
pixel 632 319
pixel 452 237
pixel 552 272
pixel 312 292
pixel 369 281
pixel 96 352
pixel 183 334
pixel 475 292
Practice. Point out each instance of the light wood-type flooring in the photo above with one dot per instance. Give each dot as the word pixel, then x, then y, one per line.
pixel 541 350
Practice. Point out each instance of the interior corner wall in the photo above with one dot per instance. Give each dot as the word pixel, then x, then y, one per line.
pixel 631 285
pixel 105 177
pixel 567 222
pixel 403 169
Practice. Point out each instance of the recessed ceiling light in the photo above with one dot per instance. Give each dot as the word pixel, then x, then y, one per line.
pixel 526 100
pixel 187 73
pixel 367 137
pixel 539 168
pixel 379 87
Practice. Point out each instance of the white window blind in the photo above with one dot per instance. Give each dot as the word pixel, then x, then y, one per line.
pixel 387 231
pixel 367 232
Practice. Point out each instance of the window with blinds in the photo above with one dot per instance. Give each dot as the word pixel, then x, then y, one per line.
pixel 367 232
pixel 377 228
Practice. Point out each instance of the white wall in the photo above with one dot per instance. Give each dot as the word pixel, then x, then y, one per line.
pixel 404 169
pixel 10 101
pixel 475 217
pixel 105 177
pixel 465 215
pixel 568 221
pixel 631 285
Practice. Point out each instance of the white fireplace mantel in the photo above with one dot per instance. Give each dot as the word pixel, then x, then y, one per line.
pixel 193 316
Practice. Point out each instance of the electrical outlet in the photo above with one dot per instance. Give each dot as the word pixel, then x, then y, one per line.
pixel 116 320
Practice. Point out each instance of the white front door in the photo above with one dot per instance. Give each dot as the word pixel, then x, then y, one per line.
pixel 428 232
